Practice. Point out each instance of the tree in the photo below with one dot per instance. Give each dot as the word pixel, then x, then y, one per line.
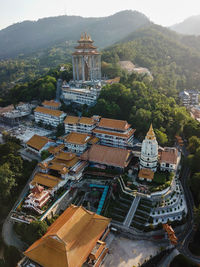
pixel 194 144
pixel 161 137
pixel 60 130
pixel 45 154
pixel 7 181
pixel 11 256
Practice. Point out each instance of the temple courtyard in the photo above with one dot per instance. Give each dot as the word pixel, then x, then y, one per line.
pixel 129 253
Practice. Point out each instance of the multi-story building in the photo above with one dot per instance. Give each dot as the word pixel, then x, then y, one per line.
pixel 189 97
pixel 80 125
pixel 49 116
pixel 51 104
pixel 149 152
pixel 169 159
pixel 86 85
pixel 116 133
pixel 78 142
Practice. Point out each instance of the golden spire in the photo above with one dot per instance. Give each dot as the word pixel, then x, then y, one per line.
pixel 151 135
pixel 89 38
pixel 86 36
pixel 82 37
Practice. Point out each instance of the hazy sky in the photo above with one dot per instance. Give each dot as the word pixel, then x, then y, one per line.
pixel 164 12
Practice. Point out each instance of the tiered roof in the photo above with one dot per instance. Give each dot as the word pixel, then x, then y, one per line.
pixel 46 180
pixel 85 46
pixel 69 240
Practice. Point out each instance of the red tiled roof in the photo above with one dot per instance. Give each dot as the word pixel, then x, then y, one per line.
pixel 169 155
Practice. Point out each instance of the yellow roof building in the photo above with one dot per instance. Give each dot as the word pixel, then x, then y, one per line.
pixel 69 240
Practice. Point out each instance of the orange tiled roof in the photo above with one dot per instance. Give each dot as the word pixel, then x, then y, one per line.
pixel 77 138
pixel 51 103
pixel 45 179
pixel 55 149
pixel 38 142
pixel 65 156
pixel 58 167
pixel 127 135
pixel 69 240
pixel 52 112
pixel 112 156
pixel 71 120
pixel 169 155
pixel 146 174
pixel 114 124
pixel 86 120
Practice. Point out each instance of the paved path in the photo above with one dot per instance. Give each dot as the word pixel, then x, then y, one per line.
pixel 169 258
pixel 131 212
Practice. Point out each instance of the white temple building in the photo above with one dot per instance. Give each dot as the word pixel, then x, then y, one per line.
pixel 149 152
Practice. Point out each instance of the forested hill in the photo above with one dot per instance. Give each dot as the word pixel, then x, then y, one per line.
pixel 189 26
pixel 172 58
pixel 29 36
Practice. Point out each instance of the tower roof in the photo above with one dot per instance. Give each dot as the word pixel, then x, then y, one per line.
pixel 151 135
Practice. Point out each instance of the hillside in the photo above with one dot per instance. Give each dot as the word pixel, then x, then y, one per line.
pixel 173 64
pixel 189 26
pixel 30 36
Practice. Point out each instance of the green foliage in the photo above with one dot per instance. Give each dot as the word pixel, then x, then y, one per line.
pixel 60 130
pixel 11 256
pixel 140 104
pixel 7 181
pixel 29 233
pixel 195 186
pixel 181 261
pixel 45 154
pixel 161 137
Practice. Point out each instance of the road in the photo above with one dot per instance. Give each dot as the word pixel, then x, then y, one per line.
pixel 9 236
pixel 187 235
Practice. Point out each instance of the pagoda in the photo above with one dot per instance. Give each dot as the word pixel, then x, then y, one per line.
pixel 149 152
pixel 86 61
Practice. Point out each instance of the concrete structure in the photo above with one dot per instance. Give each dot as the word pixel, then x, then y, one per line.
pixel 149 152
pixel 79 125
pixel 189 97
pixel 51 104
pixel 86 60
pixel 49 116
pixel 116 133
pixel 86 85
pixel 168 159
pixel 146 175
pixel 78 142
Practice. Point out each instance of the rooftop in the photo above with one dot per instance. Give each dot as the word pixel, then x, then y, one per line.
pixel 52 112
pixel 51 103
pixel 169 155
pixel 69 240
pixel 45 179
pixel 71 120
pixel 38 142
pixel 146 174
pixel 112 156
pixel 77 138
pixel 114 124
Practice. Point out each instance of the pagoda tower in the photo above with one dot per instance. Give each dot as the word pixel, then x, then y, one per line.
pixel 86 60
pixel 149 152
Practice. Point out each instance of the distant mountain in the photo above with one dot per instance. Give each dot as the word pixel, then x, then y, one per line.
pixel 173 59
pixel 189 26
pixel 30 36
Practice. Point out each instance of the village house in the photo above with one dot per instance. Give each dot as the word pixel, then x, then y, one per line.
pixel 169 159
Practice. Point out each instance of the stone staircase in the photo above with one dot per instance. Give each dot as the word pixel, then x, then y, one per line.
pixel 131 211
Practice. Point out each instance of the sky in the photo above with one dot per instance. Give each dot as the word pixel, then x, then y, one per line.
pixel 163 12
